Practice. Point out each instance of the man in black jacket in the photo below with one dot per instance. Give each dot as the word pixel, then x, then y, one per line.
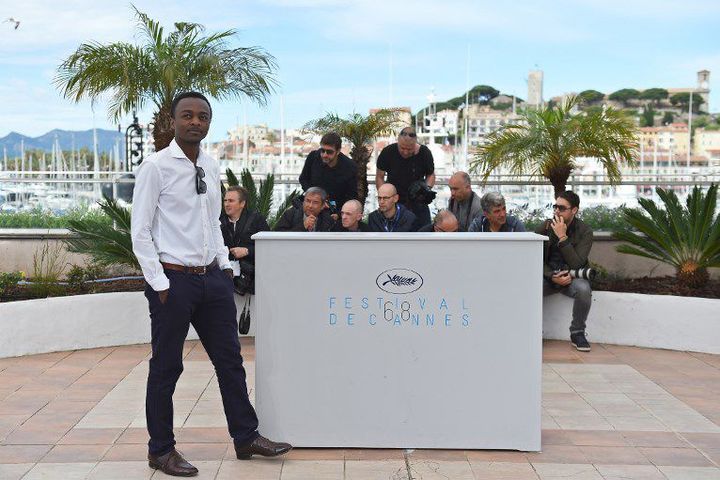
pixel 331 170
pixel 310 216
pixel 238 224
pixel 390 216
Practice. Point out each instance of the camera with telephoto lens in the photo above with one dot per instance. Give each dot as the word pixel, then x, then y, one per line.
pixel 420 192
pixel 332 207
pixel 586 273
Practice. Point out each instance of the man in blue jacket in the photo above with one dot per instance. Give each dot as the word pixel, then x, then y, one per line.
pixel 390 216
pixel 495 217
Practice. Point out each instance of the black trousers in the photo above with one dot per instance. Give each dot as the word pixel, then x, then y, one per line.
pixel 422 214
pixel 207 302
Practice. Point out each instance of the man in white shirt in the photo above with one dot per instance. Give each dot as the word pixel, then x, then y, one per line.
pixel 177 240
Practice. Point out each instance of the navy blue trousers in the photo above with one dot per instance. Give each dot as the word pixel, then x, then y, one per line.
pixel 207 302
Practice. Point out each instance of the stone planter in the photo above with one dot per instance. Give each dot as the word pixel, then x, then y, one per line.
pixel 77 322
pixel 656 321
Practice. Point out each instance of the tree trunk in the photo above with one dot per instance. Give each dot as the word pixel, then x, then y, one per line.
pixel 558 178
pixel 163 131
pixel 361 157
pixel 691 275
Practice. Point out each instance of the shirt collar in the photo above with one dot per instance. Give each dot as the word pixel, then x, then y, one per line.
pixel 177 152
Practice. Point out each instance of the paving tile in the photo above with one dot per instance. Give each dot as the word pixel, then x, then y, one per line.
pixel 64 471
pixel 257 469
pixel 134 435
pixel 655 439
pixel 203 451
pixel 503 471
pixel 121 471
pixel 690 473
pixel 555 471
pixel 312 469
pixel 678 457
pixel 440 469
pixel 614 455
pixel 595 438
pixel 90 436
pixel 130 452
pixel 76 454
pixel 376 469
pixel 558 454
pixel 15 471
pixel 505 456
pixel 208 470
pixel 630 472
pixel 437 454
pixel 201 435
pixel 315 454
pixel 374 454
pixel 23 453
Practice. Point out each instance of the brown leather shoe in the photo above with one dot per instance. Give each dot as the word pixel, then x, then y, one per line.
pixel 172 463
pixel 261 446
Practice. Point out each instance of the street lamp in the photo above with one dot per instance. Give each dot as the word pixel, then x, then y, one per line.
pixel 133 144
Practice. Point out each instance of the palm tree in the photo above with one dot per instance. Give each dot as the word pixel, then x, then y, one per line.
pixel 688 238
pixel 547 142
pixel 361 132
pixel 162 66
pixel 106 239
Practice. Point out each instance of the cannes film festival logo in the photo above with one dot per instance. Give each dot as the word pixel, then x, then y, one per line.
pixel 399 281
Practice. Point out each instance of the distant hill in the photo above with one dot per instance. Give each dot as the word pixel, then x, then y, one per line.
pixel 106 141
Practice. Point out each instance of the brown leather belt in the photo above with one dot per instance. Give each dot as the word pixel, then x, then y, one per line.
pixel 191 270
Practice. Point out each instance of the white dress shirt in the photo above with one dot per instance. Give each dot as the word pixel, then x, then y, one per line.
pixel 171 222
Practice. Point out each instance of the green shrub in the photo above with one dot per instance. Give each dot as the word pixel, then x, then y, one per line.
pixel 9 279
pixel 48 266
pixel 39 218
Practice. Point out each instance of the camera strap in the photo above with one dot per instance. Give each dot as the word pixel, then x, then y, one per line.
pixel 390 226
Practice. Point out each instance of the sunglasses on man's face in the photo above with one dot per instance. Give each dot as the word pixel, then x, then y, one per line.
pixel 327 151
pixel 408 134
pixel 200 185
pixel 560 208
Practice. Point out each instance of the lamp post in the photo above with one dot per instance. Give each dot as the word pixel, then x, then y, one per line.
pixel 133 144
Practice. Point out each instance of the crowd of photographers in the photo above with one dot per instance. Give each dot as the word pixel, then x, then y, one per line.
pixel 404 180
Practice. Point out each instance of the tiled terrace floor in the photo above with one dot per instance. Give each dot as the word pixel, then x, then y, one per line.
pixel 614 413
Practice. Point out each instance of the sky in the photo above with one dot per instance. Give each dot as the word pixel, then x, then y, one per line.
pixel 349 56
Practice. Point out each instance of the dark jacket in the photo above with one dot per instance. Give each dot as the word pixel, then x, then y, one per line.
pixel 575 250
pixel 482 224
pixel 339 182
pixel 403 221
pixel 292 220
pixel 471 210
pixel 362 227
pixel 249 223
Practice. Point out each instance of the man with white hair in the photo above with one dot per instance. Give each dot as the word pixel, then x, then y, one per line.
pixel 495 217
pixel 405 163
pixel 351 218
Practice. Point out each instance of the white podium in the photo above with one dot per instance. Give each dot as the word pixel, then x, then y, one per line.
pixel 397 340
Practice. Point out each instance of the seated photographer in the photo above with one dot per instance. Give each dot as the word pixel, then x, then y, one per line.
pixel 445 221
pixel 406 162
pixel 310 216
pixel 351 218
pixel 495 217
pixel 331 170
pixel 390 216
pixel 566 251
pixel 238 224
pixel 464 203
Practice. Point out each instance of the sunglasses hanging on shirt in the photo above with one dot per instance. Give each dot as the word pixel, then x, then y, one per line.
pixel 200 185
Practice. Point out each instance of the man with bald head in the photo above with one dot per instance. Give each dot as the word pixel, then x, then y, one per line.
pixel 445 221
pixel 390 216
pixel 351 218
pixel 464 203
pixel 404 163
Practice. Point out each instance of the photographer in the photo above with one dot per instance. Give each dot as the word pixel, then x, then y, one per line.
pixel 331 170
pixel 566 251
pixel 445 221
pixel 406 162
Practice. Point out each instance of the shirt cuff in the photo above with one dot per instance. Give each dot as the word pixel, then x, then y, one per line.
pixel 160 283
